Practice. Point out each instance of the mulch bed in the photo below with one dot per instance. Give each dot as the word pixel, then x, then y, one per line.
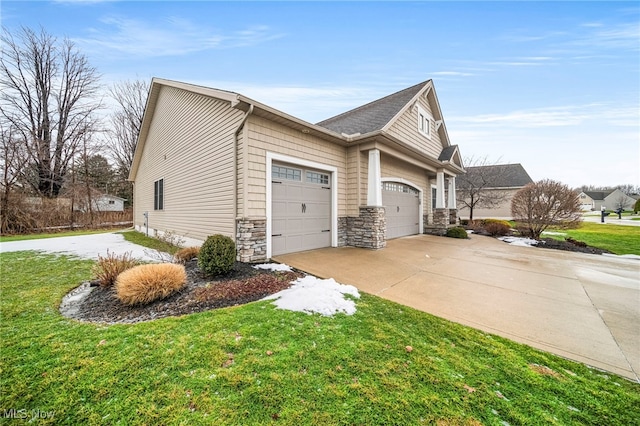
pixel 570 245
pixel 243 285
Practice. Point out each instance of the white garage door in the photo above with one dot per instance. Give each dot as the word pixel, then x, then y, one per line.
pixel 402 209
pixel 300 209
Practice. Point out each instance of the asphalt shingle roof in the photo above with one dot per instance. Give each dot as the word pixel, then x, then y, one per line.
pixel 502 175
pixel 597 195
pixel 447 153
pixel 372 116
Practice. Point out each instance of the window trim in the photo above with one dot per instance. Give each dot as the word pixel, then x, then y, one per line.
pixel 424 122
pixel 158 194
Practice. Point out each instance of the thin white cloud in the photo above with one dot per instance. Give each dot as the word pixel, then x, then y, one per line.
pixel 452 74
pixel 569 115
pixel 173 37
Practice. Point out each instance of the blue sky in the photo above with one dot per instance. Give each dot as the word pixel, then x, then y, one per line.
pixel 552 85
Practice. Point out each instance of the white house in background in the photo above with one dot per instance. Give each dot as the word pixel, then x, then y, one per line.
pixel 108 203
pixel 209 161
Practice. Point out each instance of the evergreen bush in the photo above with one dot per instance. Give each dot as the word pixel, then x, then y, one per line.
pixel 217 255
pixel 457 232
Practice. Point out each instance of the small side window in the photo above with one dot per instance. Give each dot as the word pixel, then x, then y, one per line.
pixel 158 195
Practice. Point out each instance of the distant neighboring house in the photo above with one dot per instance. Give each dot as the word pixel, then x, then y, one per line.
pixel 109 203
pixel 591 200
pixel 210 161
pixel 611 200
pixel 508 179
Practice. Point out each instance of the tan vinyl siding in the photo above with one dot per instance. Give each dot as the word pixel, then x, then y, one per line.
pixel 501 211
pixel 391 167
pixel 406 129
pixel 191 146
pixel 353 199
pixel 263 136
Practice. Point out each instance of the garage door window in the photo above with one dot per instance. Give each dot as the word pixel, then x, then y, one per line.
pixel 288 173
pixel 319 178
pixel 398 187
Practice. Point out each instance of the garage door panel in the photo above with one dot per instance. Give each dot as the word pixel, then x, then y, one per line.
pixel 301 210
pixel 402 209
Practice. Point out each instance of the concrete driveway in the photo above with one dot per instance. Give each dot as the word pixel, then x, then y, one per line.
pixel 579 306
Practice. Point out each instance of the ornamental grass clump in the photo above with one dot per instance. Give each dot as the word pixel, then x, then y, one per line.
pixel 107 268
pixel 186 254
pixel 217 255
pixel 146 283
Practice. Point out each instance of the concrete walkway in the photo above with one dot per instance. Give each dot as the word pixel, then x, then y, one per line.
pixel 579 306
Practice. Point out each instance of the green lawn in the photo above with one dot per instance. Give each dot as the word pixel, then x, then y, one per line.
pixel 255 364
pixel 618 239
pixel 139 238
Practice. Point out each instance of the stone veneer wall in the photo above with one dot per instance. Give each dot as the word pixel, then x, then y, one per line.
pixel 439 224
pixel 251 240
pixel 453 217
pixel 343 229
pixel 368 229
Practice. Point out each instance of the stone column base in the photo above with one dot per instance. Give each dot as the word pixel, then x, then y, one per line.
pixel 251 240
pixel 368 230
pixel 453 217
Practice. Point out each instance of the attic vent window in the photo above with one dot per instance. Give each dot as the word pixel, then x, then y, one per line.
pixel 424 122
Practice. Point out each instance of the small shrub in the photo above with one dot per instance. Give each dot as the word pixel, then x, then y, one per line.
pixel 107 268
pixel 146 283
pixel 498 229
pixel 217 255
pixel 457 232
pixel 186 254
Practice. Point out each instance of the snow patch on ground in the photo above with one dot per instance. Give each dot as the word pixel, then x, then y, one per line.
pixel 313 295
pixel 279 267
pixel 84 246
pixel 519 241
pixel 554 233
pixel 624 256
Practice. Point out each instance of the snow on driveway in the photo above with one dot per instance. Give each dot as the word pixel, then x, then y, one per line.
pixel 83 246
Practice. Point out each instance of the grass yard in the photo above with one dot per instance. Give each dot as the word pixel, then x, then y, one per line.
pixel 255 364
pixel 618 239
pixel 139 238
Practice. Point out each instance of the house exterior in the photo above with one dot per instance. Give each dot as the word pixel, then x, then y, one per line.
pixel 506 180
pixel 210 161
pixel 589 200
pixel 611 200
pixel 108 203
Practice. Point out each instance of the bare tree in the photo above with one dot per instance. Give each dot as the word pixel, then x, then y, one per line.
pixel 545 203
pixel 126 120
pixel 49 96
pixel 474 189
pixel 13 159
pixel 629 189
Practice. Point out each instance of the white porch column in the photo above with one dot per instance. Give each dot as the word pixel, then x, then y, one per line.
pixel 451 202
pixel 440 190
pixel 374 183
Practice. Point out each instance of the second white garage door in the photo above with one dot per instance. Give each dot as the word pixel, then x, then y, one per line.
pixel 402 209
pixel 300 209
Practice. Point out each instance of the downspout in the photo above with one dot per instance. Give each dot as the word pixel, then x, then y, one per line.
pixel 235 160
